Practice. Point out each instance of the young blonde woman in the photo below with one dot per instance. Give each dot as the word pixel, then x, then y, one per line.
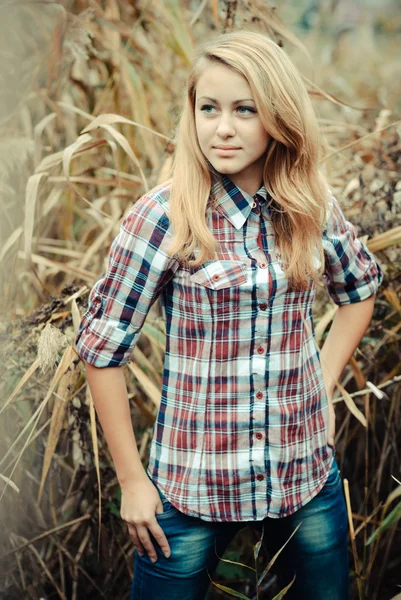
pixel 234 245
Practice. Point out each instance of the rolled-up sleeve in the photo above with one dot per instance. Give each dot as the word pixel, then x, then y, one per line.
pixel 352 273
pixel 138 270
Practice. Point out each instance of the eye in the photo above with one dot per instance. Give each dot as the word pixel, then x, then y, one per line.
pixel 205 108
pixel 249 109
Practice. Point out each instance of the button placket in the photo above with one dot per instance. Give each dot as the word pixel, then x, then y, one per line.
pixel 264 279
pixel 259 396
pixel 259 360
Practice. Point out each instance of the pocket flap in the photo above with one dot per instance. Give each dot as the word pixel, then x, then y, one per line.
pixel 221 274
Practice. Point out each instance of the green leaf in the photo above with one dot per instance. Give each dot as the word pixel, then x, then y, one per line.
pixel 234 562
pixel 389 521
pixel 154 334
pixel 113 508
pixel 256 550
pixel 273 560
pixel 231 591
pixel 284 591
pixel 115 505
pixel 258 545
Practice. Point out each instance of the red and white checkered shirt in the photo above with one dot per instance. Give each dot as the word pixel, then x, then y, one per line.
pixel 241 433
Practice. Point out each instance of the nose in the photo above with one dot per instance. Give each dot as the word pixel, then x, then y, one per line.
pixel 225 127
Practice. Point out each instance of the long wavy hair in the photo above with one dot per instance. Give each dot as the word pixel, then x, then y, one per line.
pixel 291 171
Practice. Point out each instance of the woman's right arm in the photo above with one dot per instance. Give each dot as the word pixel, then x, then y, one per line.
pixel 139 267
pixel 140 499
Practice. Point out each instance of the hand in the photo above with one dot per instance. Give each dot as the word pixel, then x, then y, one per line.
pixel 331 429
pixel 140 501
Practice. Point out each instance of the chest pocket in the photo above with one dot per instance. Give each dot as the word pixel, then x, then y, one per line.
pixel 220 285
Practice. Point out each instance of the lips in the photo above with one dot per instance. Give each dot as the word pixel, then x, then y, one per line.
pixel 226 148
pixel 226 152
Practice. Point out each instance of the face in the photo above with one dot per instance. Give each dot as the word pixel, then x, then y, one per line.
pixel 230 133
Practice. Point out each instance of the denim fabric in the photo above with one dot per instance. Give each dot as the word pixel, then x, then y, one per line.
pixel 317 554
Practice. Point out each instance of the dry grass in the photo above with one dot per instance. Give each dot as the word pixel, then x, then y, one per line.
pixel 88 116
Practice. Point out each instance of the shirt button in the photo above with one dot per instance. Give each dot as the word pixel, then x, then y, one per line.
pixel 262 265
pixel 262 306
pixel 216 277
pixel 259 436
pixel 259 477
pixel 254 204
pixel 260 350
pixel 259 395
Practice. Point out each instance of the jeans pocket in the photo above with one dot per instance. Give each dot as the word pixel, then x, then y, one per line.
pixel 334 478
pixel 168 508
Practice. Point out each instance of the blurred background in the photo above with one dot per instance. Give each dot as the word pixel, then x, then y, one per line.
pixel 89 99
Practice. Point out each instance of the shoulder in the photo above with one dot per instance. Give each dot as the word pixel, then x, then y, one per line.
pixel 331 204
pixel 335 218
pixel 151 207
pixel 156 199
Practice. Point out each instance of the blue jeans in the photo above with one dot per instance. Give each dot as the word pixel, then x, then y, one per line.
pixel 317 553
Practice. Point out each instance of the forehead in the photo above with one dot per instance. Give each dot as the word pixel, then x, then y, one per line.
pixel 219 81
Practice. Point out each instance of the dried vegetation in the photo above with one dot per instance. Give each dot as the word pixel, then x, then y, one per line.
pixel 88 120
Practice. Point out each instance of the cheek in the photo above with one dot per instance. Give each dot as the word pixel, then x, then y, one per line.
pixel 261 138
pixel 255 137
pixel 203 132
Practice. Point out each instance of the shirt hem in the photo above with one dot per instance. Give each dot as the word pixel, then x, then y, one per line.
pixel 270 515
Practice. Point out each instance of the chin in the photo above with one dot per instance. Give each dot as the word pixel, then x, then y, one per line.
pixel 228 171
pixel 225 168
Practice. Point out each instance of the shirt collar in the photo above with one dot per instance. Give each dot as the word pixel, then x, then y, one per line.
pixel 235 203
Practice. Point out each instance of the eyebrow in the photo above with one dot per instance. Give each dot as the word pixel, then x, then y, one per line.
pixel 234 102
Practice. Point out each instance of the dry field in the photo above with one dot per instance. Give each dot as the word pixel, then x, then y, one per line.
pixel 90 95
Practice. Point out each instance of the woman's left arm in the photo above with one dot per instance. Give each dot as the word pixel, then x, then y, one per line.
pixel 352 277
pixel 349 325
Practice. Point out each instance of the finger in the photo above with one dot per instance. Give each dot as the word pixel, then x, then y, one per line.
pixel 143 535
pixel 137 542
pixel 160 537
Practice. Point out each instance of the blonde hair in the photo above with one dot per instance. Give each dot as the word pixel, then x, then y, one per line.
pixel 291 171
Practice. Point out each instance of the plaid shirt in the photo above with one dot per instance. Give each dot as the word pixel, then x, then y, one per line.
pixel 241 433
